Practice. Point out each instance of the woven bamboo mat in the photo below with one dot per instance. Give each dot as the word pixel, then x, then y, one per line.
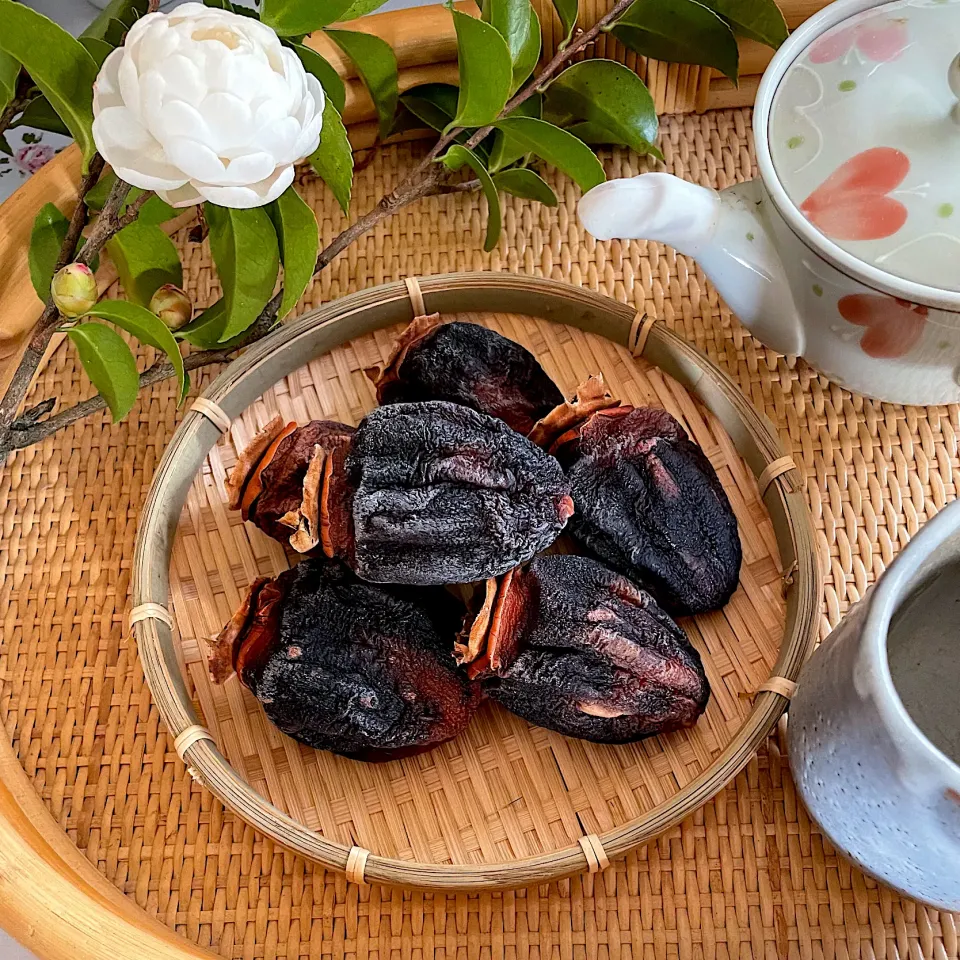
pixel 747 876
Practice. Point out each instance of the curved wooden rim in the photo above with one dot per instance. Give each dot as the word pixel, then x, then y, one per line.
pixel 319 331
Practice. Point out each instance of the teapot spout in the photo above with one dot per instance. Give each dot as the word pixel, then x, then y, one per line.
pixel 727 233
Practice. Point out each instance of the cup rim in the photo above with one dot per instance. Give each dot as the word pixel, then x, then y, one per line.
pixel 888 594
pixel 835 255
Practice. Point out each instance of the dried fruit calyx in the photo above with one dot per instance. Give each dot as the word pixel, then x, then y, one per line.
pixel 577 648
pixel 347 666
pixel 471 365
pixel 289 482
pixel 650 504
pixel 443 494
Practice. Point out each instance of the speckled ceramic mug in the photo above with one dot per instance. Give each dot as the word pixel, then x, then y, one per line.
pixel 881 790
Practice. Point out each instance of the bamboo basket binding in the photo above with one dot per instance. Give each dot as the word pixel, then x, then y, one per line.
pixel 484 789
pixel 109 850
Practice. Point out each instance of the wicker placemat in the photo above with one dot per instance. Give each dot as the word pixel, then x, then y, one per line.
pixel 747 876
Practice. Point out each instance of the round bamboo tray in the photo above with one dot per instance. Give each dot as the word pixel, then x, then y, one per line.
pixel 505 804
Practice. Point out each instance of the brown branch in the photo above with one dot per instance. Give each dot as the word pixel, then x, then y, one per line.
pixel 108 223
pixel 426 179
pixel 21 98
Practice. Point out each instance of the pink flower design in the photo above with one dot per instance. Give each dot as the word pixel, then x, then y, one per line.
pixel 879 39
pixel 33 156
pixel 893 326
pixel 852 203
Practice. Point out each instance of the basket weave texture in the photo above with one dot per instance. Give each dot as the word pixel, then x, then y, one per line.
pixel 747 876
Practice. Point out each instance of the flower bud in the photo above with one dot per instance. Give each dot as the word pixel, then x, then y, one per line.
pixel 74 289
pixel 172 306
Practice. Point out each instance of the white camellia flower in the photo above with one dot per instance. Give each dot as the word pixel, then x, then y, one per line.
pixel 202 104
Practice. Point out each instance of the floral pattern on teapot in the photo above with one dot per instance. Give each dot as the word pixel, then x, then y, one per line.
pixel 894 326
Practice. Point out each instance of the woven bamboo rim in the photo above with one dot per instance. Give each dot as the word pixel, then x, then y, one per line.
pixel 316 333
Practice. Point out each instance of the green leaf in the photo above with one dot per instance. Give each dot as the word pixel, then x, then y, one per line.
pixel 332 161
pixel 205 330
pixel 109 364
pixel 247 256
pixel 39 115
pixel 454 159
pixel 57 64
pixel 377 65
pixel 9 72
pixel 525 184
pixel 759 20
pixel 154 211
pixel 516 21
pixel 433 103
pixel 486 71
pixel 46 239
pixel 608 93
pixel 146 327
pixel 593 133
pixel 329 78
pixel 558 147
pixel 98 49
pixel 297 17
pixel 299 237
pixel 145 258
pixel 505 149
pixel 360 8
pixel 679 31
pixel 567 11
pixel 127 12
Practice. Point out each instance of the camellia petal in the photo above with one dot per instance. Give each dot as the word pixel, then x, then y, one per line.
pixel 254 195
pixel 195 159
pixel 205 104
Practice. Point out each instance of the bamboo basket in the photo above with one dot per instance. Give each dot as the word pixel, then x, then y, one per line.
pixel 523 793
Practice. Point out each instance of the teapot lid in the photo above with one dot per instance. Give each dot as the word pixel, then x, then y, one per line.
pixel 864 135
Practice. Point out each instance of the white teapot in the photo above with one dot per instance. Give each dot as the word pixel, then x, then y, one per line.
pixel 847 249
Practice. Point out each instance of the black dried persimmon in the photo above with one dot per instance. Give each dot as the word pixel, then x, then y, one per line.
pixel 577 648
pixel 650 504
pixel 444 494
pixel 471 365
pixel 343 665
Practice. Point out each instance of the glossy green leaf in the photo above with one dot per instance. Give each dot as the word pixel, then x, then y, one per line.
pixel 57 64
pixel 46 239
pixel 219 5
pixel 9 72
pixel 612 95
pixel 557 147
pixel 525 184
pixel 39 115
pixel 679 31
pixel 145 258
pixel 516 21
pixel 433 103
pixel 759 20
pixel 360 8
pixel 595 134
pixel 329 78
pixel 205 330
pixel 377 65
pixel 247 256
pixel 299 238
pixel 109 364
pixel 486 71
pixel 505 149
pixel 567 11
pixel 127 12
pixel 148 328
pixel 332 161
pixel 297 17
pixel 98 49
pixel 458 156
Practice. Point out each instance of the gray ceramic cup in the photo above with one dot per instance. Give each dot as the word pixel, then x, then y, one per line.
pixel 883 793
